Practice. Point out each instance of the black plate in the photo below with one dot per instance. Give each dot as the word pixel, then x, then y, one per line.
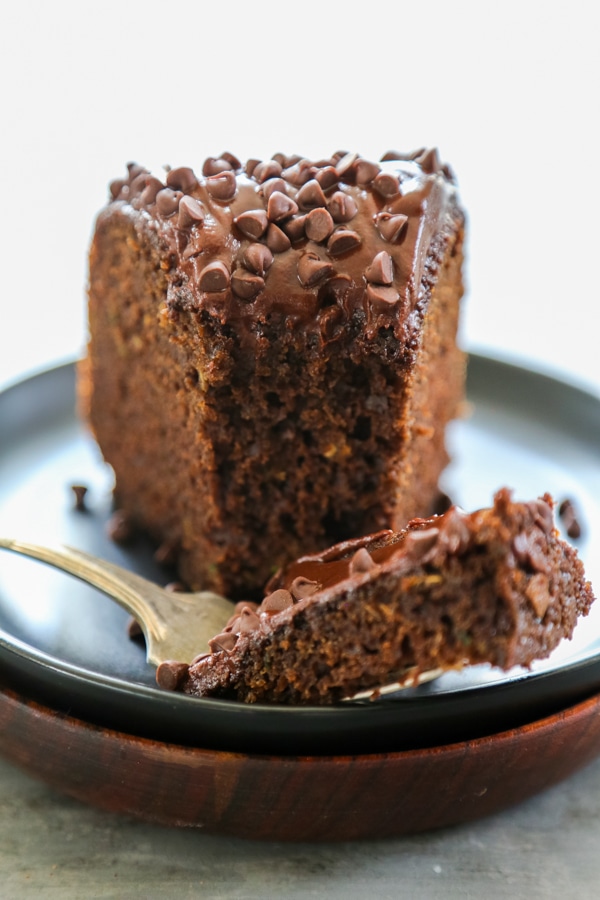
pixel 65 644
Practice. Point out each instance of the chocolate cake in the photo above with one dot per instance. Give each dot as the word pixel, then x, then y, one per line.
pixel 273 356
pixel 498 585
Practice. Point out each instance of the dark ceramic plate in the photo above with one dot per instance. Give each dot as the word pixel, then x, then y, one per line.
pixel 65 645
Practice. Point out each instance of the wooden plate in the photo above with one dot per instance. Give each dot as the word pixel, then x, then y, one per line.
pixel 288 798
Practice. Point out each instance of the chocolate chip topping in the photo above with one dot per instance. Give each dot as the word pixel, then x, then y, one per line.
pixel 391 227
pixel 252 223
pixel 277 240
pixel 301 588
pixel 280 206
pixel 222 186
pixel 258 258
pixel 276 602
pixel 327 178
pixel 224 641
pixel 343 241
pixel 380 295
pixel 386 184
pixel 362 561
pixel 569 518
pixel 213 166
pixel 150 191
pixel 167 201
pixel 246 284
pixel 214 277
pixel 429 161
pixel 342 207
pixel 190 213
pixel 182 179
pixel 318 225
pixel 171 674
pixel 311 196
pixel 80 491
pixel 269 169
pixel 381 270
pixel 366 171
pixel 312 269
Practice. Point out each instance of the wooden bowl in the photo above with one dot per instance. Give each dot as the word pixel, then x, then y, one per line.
pixel 310 798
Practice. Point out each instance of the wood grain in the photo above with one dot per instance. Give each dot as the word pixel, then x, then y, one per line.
pixel 296 798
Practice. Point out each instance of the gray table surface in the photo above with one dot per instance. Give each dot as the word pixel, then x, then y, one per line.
pixel 52 846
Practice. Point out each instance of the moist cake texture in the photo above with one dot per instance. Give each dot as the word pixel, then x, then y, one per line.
pixel 273 354
pixel 497 585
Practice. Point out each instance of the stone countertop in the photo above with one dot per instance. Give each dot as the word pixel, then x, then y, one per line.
pixel 52 846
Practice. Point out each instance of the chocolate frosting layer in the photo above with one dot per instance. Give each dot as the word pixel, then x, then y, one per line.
pixel 314 241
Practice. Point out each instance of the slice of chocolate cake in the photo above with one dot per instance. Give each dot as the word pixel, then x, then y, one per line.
pixel 497 585
pixel 272 358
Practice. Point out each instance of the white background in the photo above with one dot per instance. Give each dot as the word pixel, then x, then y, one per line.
pixel 508 92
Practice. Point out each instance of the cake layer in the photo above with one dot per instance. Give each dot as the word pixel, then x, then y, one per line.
pixel 273 358
pixel 497 585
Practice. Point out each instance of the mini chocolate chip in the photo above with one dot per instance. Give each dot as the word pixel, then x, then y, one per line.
pixel 300 172
pixel 327 177
pixel 258 259
pixel 569 518
pixel 318 224
pixel 276 240
pixel 382 295
pixel 342 207
pixel 312 269
pixel 366 171
pixel 252 223
pixel 273 184
pixel 224 641
pixel 138 183
pixel 233 161
pixel 250 166
pixel 310 195
pixel 276 602
pixel 265 170
pixel 294 228
pixel 116 187
pixel 245 284
pixel 247 621
pixel 345 165
pixel 167 202
pixel 214 277
pixel 222 186
pixel 381 270
pixel 391 227
pixel 171 674
pixel 362 561
pixel 429 161
pixel 395 154
pixel 80 490
pixel 134 630
pixel 386 184
pixel 134 169
pixel 190 213
pixel 335 289
pixel 301 588
pixel 182 179
pixel 280 206
pixel 214 166
pixel 420 545
pixel 119 527
pixel 343 241
pixel 151 190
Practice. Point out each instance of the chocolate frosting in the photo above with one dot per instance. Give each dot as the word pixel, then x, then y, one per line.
pixel 314 241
